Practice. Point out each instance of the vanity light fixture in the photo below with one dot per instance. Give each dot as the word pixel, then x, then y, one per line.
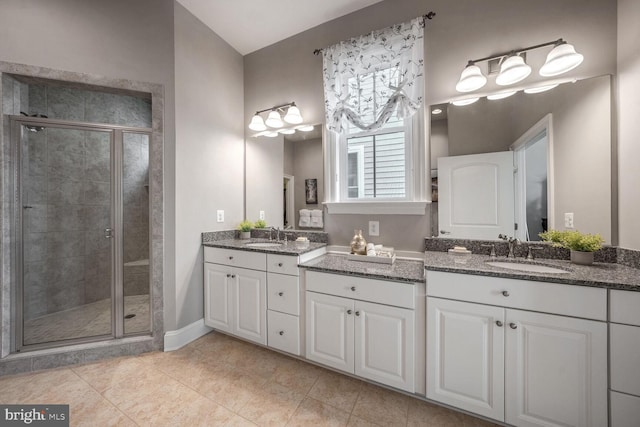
pixel 540 89
pixel 501 95
pixel 513 67
pixel 465 101
pixel 274 119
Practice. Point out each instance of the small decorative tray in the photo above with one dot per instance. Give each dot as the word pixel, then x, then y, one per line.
pixel 378 259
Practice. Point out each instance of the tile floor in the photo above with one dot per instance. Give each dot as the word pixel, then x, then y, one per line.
pixel 220 381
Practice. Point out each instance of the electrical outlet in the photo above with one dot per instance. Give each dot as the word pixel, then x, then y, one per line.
pixel 220 216
pixel 262 215
pixel 374 228
pixel 568 220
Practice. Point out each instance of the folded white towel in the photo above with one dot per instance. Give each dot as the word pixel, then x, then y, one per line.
pixel 305 221
pixel 316 222
pixel 316 213
pixel 305 212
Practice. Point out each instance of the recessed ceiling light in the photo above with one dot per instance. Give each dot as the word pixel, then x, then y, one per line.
pixel 436 111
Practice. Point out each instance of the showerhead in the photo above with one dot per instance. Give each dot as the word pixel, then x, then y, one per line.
pixel 32 128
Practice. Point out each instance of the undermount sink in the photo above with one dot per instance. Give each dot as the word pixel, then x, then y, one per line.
pixel 532 268
pixel 264 245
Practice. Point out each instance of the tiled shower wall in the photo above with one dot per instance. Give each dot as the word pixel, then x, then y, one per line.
pixel 67 258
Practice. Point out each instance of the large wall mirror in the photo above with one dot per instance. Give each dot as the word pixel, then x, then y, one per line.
pixel 574 118
pixel 284 175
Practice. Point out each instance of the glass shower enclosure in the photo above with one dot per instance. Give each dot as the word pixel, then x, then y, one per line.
pixel 82 243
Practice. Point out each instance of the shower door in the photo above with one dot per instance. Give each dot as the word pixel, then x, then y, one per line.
pixel 69 218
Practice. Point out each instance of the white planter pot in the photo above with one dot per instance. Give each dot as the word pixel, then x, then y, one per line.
pixel 245 234
pixel 582 258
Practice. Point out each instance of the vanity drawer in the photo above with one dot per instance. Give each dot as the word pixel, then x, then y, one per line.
pixel 625 410
pixel 625 358
pixel 624 307
pixel 381 291
pixel 244 259
pixel 283 293
pixel 283 332
pixel 568 300
pixel 283 264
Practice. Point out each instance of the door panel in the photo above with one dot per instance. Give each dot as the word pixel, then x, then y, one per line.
pixel 384 347
pixel 330 331
pixel 250 310
pixel 556 370
pixel 65 190
pixel 476 199
pixel 217 293
pixel 465 362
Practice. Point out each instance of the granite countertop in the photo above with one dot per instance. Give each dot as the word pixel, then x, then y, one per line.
pixel 599 274
pixel 289 248
pixel 400 271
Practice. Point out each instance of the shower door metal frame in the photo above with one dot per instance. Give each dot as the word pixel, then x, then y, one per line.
pixel 116 211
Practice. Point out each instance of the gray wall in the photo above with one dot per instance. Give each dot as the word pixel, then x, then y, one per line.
pixel 209 153
pixel 462 30
pixel 629 125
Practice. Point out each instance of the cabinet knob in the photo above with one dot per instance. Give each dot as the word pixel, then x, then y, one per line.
pixel 353 288
pixel 499 323
pixel 357 313
pixel 281 333
pixel 228 275
pixel 279 264
pixel 280 294
pixel 233 276
pixel 513 325
pixel 230 257
pixel 349 311
pixel 505 293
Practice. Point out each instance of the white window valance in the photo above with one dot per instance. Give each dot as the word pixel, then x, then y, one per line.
pixel 395 56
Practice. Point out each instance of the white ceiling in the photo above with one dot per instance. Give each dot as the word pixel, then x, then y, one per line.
pixel 250 25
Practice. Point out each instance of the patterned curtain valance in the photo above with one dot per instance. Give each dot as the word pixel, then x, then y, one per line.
pixel 391 61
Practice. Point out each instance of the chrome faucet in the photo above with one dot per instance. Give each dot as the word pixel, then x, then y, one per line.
pixel 276 229
pixel 512 242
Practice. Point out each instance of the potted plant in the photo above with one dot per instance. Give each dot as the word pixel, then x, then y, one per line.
pixel 261 223
pixel 582 246
pixel 245 229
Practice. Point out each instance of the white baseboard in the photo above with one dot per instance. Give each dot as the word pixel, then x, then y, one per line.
pixel 173 340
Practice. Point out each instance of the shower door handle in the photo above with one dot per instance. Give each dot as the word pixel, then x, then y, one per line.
pixel 108 233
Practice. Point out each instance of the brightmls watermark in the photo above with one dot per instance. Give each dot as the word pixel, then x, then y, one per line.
pixel 34 415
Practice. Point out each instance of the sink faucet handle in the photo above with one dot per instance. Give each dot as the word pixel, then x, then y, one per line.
pixel 530 254
pixel 493 249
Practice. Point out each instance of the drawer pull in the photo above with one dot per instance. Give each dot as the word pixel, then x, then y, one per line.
pixel 505 293
pixel 499 323
pixel 281 333
pixel 279 264
pixel 349 311
pixel 280 294
pixel 353 288
pixel 513 325
pixel 357 313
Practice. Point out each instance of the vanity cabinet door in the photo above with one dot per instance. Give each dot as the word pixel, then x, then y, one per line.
pixel 384 344
pixel 250 307
pixel 465 356
pixel 218 297
pixel 556 370
pixel 330 330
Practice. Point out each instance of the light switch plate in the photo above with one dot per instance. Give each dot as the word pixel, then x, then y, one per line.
pixel 220 216
pixel 374 228
pixel 568 220
pixel 261 214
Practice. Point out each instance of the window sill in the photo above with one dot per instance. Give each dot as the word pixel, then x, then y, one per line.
pixel 377 208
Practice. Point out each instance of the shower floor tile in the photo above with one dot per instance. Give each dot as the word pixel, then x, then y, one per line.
pixel 209 383
pixel 87 320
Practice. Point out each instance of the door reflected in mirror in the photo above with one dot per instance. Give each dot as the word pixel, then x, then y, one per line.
pixel 576 118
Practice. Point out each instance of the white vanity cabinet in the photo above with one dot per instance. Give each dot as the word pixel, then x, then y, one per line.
pixel 624 331
pixel 235 297
pixel 507 349
pixel 363 326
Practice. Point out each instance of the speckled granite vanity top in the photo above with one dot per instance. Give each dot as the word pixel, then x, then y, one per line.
pixel 289 248
pixel 400 271
pixel 599 274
